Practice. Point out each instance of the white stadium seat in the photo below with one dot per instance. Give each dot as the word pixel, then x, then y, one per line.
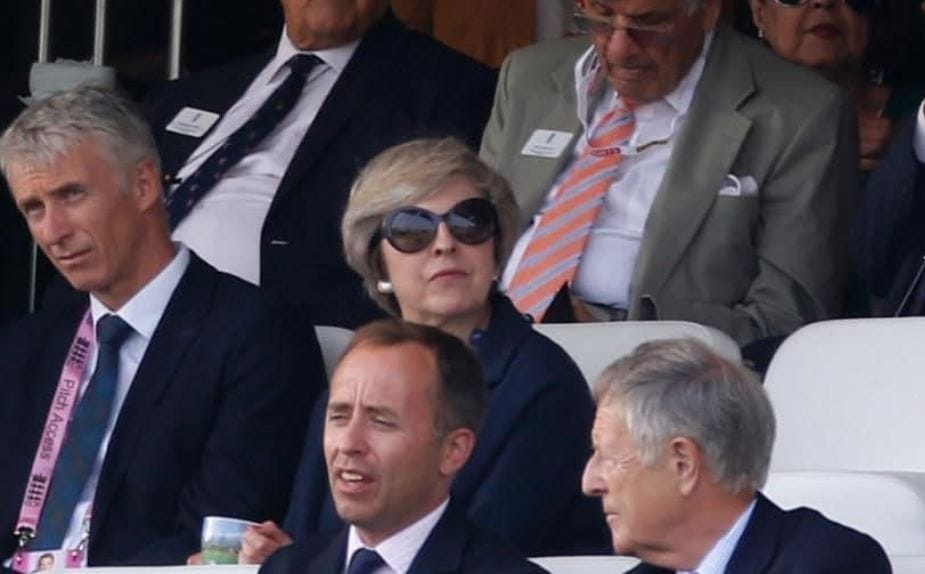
pixel 333 342
pixel 593 346
pixel 849 395
pixel 586 564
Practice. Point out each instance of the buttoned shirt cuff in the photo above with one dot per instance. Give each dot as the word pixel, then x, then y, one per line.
pixel 918 138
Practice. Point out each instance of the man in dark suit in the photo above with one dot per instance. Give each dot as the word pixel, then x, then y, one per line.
pixel 405 405
pixel 682 442
pixel 273 216
pixel 889 238
pixel 174 400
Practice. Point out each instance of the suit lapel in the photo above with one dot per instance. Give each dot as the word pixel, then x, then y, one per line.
pixel 176 148
pixel 561 117
pixel 704 153
pixel 175 334
pixel 331 559
pixel 758 545
pixel 443 549
pixel 372 68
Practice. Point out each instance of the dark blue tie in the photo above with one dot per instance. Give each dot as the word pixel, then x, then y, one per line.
pixel 182 199
pixel 365 561
pixel 84 436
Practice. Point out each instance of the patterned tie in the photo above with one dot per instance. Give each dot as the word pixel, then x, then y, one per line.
pixel 84 436
pixel 365 561
pixel 552 256
pixel 182 199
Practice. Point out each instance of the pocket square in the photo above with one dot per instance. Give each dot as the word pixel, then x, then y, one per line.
pixel 744 186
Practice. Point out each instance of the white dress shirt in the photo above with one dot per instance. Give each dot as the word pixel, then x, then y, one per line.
pixel 399 550
pixel 224 227
pixel 717 558
pixel 606 266
pixel 142 312
pixel 918 141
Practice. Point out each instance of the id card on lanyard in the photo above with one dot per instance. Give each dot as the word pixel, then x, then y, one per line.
pixel 46 457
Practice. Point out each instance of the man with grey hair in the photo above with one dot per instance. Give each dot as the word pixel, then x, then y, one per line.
pixel 682 442
pixel 667 167
pixel 156 391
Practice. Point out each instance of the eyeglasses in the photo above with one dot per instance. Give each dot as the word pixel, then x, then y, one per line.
pixel 411 229
pixel 859 6
pixel 599 25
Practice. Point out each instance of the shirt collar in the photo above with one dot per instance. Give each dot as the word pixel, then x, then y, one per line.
pixel 587 86
pixel 336 58
pixel 399 550
pixel 717 558
pixel 144 310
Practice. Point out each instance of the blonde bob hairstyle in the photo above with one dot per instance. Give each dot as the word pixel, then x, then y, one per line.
pixel 404 175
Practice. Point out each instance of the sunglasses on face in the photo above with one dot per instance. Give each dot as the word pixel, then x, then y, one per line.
pixel 411 229
pixel 859 6
pixel 588 22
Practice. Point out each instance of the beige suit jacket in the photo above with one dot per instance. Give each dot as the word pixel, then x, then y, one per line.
pixel 753 265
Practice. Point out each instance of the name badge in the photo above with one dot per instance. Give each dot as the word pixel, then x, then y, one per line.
pixel 547 143
pixel 192 122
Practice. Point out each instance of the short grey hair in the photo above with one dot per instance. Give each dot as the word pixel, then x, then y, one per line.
pixel 680 387
pixel 53 127
pixel 408 173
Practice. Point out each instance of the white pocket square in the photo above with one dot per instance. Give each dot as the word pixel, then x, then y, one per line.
pixel 744 186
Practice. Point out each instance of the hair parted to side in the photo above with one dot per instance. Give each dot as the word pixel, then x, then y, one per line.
pixel 461 391
pixel 51 128
pixel 680 387
pixel 408 173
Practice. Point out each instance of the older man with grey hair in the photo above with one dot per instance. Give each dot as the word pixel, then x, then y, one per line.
pixel 668 167
pixel 156 390
pixel 682 443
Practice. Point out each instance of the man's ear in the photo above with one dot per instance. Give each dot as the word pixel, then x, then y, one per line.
pixel 686 460
pixel 456 447
pixel 146 183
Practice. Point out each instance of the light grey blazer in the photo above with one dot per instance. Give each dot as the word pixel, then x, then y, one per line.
pixel 754 265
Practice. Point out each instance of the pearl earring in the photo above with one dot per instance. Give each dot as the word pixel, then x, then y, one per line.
pixel 384 287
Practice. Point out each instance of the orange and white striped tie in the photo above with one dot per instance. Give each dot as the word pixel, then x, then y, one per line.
pixel 552 256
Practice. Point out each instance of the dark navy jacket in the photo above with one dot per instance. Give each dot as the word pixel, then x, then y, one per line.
pixel 800 541
pixel 210 425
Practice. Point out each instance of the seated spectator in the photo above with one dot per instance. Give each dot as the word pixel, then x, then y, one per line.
pixel 405 406
pixel 156 391
pixel 682 443
pixel 889 239
pixel 862 45
pixel 670 168
pixel 427 227
pixel 346 81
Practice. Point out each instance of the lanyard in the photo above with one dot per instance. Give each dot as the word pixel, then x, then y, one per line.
pixel 59 415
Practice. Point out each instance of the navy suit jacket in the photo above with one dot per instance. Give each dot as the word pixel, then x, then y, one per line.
pixel 800 541
pixel 397 86
pixel 523 481
pixel 889 237
pixel 211 424
pixel 453 546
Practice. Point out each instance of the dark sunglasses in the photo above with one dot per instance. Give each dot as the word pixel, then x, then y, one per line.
pixel 411 229
pixel 859 6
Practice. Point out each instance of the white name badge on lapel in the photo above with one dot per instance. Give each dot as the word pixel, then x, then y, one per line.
pixel 192 122
pixel 547 143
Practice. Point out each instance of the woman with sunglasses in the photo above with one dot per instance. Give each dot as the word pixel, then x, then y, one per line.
pixel 862 45
pixel 428 226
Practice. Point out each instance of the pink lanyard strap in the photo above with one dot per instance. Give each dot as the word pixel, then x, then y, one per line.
pixel 59 415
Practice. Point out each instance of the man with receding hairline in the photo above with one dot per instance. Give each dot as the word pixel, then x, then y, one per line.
pixel 405 406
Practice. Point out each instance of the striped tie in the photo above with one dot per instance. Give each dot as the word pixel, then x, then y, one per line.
pixel 552 256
